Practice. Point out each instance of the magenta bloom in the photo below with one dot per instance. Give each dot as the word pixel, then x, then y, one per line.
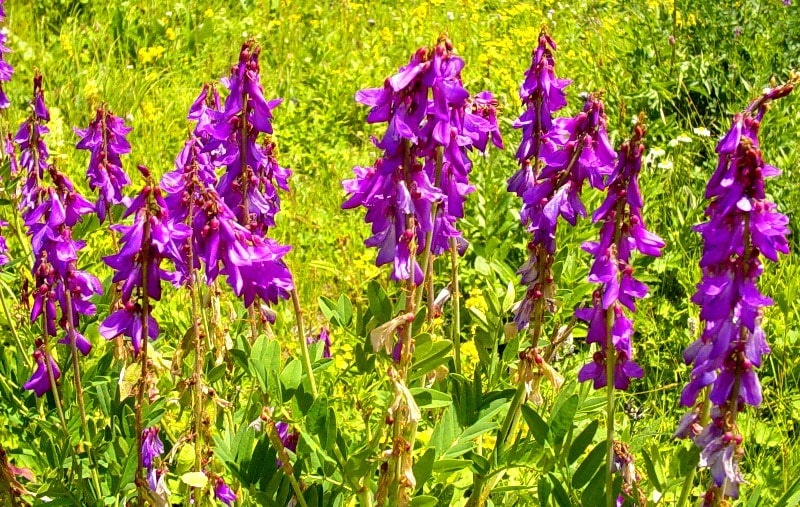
pixel 144 245
pixel 151 446
pixel 106 140
pixel 742 225
pixel 622 231
pixel 223 492
pixel 39 382
pixel 252 176
pixel 6 70
pixel 418 186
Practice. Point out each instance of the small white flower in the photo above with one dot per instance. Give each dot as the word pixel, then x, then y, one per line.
pixel 683 138
pixel 450 16
pixel 667 164
pixel 657 152
pixel 702 131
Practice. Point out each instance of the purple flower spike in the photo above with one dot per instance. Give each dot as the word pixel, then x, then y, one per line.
pixel 415 192
pixel 6 70
pixel 39 382
pixel 252 177
pixel 556 157
pixel 223 492
pixel 741 226
pixel 619 214
pixel 106 139
pixel 144 245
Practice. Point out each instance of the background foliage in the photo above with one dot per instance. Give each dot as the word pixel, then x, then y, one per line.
pixel 687 64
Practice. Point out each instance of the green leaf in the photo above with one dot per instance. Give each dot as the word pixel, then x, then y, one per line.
pixel 651 470
pixel 792 495
pixel 595 489
pixel 423 468
pixel 538 427
pixel 379 302
pixel 292 375
pixel 428 355
pixel 450 465
pixel 424 501
pixel 559 493
pixel 195 479
pixel 561 421
pixel 445 432
pixel 544 490
pixel 589 466
pixel 582 441
pixel 345 309
pixel 430 398
pixel 329 309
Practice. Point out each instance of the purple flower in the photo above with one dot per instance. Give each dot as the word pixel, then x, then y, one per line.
pixel 223 492
pixel 39 382
pixel 325 338
pixel 289 438
pixel 152 447
pixel 742 225
pixel 144 245
pixel 620 215
pixel 106 139
pixel 252 176
pixel 33 152
pixel 6 70
pixel 415 192
pixel 542 94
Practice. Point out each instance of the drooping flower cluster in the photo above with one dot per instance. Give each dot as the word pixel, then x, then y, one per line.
pixel 252 177
pixel 556 157
pixel 151 239
pixel 742 225
pixel 106 140
pixel 6 70
pixel 33 152
pixel 152 448
pixel 417 188
pixel 622 231
pixel 253 264
pixel 59 286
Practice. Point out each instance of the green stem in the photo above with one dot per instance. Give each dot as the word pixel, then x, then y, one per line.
pixel 141 482
pixel 427 257
pixel 79 391
pixel 456 329
pixel 301 337
pixel 611 356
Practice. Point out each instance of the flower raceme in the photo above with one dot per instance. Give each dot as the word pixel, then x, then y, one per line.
pixel 417 188
pixel 622 231
pixel 6 70
pixel 252 177
pixel 253 264
pixel 49 214
pixel 106 140
pixel 741 227
pixel 151 239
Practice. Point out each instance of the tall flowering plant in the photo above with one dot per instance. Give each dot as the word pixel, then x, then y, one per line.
pixel 414 194
pixel 556 157
pixel 622 232
pixel 742 226
pixel 144 245
pixel 249 186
